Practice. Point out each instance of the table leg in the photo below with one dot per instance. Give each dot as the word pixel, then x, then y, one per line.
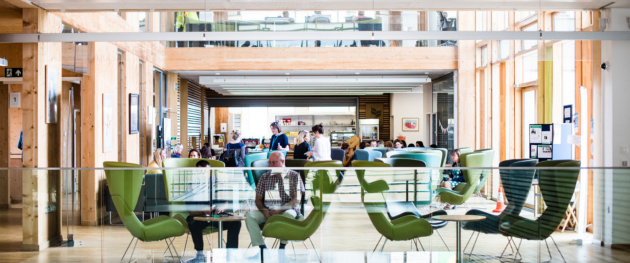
pixel 459 241
pixel 221 234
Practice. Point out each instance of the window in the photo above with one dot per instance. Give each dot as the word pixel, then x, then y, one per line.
pixel 530 66
pixel 500 19
pixel 142 16
pixel 527 44
pixel 484 56
pixel 564 21
pixel 482 21
pixel 504 49
pixel 529 117
pixel 568 73
pixel 524 15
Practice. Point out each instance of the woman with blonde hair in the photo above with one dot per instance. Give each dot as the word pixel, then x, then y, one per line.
pixel 234 154
pixel 302 146
pixel 158 156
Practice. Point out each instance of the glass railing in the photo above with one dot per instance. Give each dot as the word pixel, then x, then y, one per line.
pixel 366 214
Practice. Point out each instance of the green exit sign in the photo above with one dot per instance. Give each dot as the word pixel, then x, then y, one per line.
pixel 13 72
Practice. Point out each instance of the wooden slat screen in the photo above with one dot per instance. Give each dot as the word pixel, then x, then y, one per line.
pixel 384 126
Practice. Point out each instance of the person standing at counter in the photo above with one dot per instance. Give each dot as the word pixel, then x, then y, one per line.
pixel 302 146
pixel 279 141
pixel 321 149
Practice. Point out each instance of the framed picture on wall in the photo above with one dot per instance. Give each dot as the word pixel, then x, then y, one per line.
pixel 410 124
pixel 53 90
pixel 134 109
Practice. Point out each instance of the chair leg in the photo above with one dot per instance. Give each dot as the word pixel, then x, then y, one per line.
pixel 517 249
pixel 383 247
pixel 168 248
pixel 471 236
pixel 123 257
pixel 315 249
pixel 174 249
pixel 413 241
pixel 508 244
pixel 554 242
pixel 294 254
pixel 185 245
pixel 473 247
pixel 379 241
pixel 110 219
pixel 209 244
pixel 483 200
pixel 134 250
pixel 420 244
pixel 438 232
pixel 548 251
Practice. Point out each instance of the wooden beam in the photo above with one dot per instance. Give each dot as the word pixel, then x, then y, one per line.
pixel 10 21
pixel 312 58
pixel 466 92
pixel 101 80
pixel 5 155
pixel 40 140
pixel 147 105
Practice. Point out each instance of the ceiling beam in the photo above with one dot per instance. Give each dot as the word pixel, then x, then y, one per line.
pixel 355 35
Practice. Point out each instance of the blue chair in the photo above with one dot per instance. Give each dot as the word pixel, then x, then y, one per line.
pixel 366 155
pixel 337 155
pixel 270 152
pixel 382 150
pixel 249 159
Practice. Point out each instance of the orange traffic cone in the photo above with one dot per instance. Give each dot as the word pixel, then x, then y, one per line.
pixel 500 202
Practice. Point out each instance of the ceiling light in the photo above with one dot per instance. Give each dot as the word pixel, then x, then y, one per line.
pixel 358 73
pixel 4 62
pixel 217 73
pixel 287 73
pixel 426 73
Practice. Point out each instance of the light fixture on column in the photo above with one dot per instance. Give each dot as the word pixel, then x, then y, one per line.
pixel 4 62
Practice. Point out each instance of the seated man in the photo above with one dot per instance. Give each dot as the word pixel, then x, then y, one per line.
pixel 270 185
pixel 197 227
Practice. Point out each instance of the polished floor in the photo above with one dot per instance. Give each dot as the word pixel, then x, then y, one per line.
pixel 346 235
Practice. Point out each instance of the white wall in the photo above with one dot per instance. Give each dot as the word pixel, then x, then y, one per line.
pixel 616 184
pixel 408 105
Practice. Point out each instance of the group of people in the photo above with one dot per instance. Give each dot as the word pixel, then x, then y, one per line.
pixel 160 154
pixel 271 184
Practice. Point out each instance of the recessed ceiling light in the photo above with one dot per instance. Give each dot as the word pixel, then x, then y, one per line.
pixel 287 73
pixel 217 73
pixel 426 73
pixel 357 73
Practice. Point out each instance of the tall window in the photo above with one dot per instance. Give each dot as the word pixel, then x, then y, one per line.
pixel 564 21
pixel 500 20
pixel 529 117
pixel 484 56
pixel 527 44
pixel 568 73
pixel 142 16
pixel 530 66
pixel 504 49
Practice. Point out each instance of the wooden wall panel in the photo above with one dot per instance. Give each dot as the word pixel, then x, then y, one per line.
pixel 5 188
pixel 315 58
pixel 385 126
pixel 10 20
pixel 221 116
pixel 103 22
pixel 147 104
pixel 102 77
pixel 466 97
pixel 184 113
pixel 131 84
pixel 40 140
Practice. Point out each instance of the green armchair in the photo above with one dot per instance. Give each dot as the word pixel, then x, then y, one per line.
pixel 124 186
pixel 400 229
pixel 557 187
pixel 176 210
pixel 472 176
pixel 487 162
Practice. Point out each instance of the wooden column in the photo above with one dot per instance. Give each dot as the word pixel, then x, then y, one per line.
pixel 5 183
pixel 131 84
pixel 100 80
pixel 183 111
pixel 147 105
pixel 173 105
pixel 465 99
pixel 203 120
pixel 41 216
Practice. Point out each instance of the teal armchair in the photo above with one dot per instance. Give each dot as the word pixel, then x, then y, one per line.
pixel 249 159
pixel 124 187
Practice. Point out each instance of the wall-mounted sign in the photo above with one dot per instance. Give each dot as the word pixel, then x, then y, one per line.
pixel 13 72
pixel 14 100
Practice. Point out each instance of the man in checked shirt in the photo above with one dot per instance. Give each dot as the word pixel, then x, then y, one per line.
pixel 273 199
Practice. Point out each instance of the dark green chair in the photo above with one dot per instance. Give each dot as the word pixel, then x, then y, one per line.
pixel 124 187
pixel 249 159
pixel 459 197
pixel 322 180
pixel 516 185
pixel 401 229
pixel 557 187
pixel 485 174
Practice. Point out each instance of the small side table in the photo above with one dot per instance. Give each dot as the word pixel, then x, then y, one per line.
pixel 459 219
pixel 220 220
